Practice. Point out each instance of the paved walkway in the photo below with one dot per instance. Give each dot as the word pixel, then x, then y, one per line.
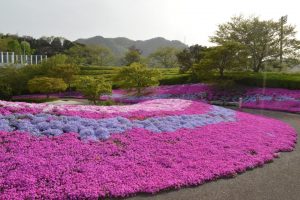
pixel 66 101
pixel 279 180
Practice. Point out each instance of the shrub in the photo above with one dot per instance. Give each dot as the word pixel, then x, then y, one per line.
pixel 93 88
pixel 178 79
pixel 5 92
pixel 271 80
pixel 137 76
pixel 46 85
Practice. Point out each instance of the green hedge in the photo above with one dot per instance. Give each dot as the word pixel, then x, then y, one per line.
pixel 271 80
pixel 171 76
pixel 178 79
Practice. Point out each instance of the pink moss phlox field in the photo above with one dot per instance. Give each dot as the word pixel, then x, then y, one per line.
pixel 274 91
pixel 223 143
pixel 160 107
pixel 273 99
pixel 185 91
pixel 269 98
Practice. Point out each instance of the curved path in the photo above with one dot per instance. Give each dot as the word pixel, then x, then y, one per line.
pixel 279 180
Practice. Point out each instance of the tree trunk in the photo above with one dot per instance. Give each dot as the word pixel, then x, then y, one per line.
pixel 254 63
pixel 47 96
pixel 221 73
pixel 257 67
pixel 138 91
pixel 257 63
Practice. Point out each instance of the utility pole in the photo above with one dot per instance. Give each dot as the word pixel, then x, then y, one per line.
pixel 283 20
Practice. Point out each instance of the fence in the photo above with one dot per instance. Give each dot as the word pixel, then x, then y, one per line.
pixel 10 58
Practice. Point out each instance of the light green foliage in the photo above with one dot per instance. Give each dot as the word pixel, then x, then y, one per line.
pixel 109 73
pixel 3 44
pixel 59 59
pixel 25 47
pixel 10 44
pixel 78 54
pixel 14 46
pixel 46 85
pixel 93 88
pixel 100 55
pixel 133 55
pixel 67 72
pixel 91 55
pixel 15 78
pixel 164 57
pixel 59 66
pixel 138 76
pixel 260 38
pixel 228 56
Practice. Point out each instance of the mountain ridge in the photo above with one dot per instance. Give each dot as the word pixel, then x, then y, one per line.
pixel 119 45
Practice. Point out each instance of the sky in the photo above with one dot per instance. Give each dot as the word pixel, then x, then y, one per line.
pixel 190 21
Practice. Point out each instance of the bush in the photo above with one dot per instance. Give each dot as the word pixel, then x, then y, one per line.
pixel 5 92
pixel 46 85
pixel 178 79
pixel 137 76
pixel 271 80
pixel 93 88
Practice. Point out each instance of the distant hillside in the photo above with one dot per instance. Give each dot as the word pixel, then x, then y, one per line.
pixel 120 45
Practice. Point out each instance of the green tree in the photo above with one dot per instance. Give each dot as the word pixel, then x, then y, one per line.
pixel 165 57
pixel 225 57
pixel 101 56
pixel 78 54
pixel 46 85
pixel 67 72
pixel 57 44
pixel 138 76
pixel 59 59
pixel 259 37
pixel 133 55
pixel 14 78
pixel 60 66
pixel 4 43
pixel 17 77
pixel 25 48
pixel 45 45
pixel 93 88
pixel 190 56
pixel 14 46
pixel 91 55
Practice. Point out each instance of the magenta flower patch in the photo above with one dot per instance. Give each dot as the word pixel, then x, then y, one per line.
pixel 78 152
pixel 262 98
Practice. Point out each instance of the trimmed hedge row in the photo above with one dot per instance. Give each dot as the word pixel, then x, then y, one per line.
pixel 270 80
pixel 171 76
